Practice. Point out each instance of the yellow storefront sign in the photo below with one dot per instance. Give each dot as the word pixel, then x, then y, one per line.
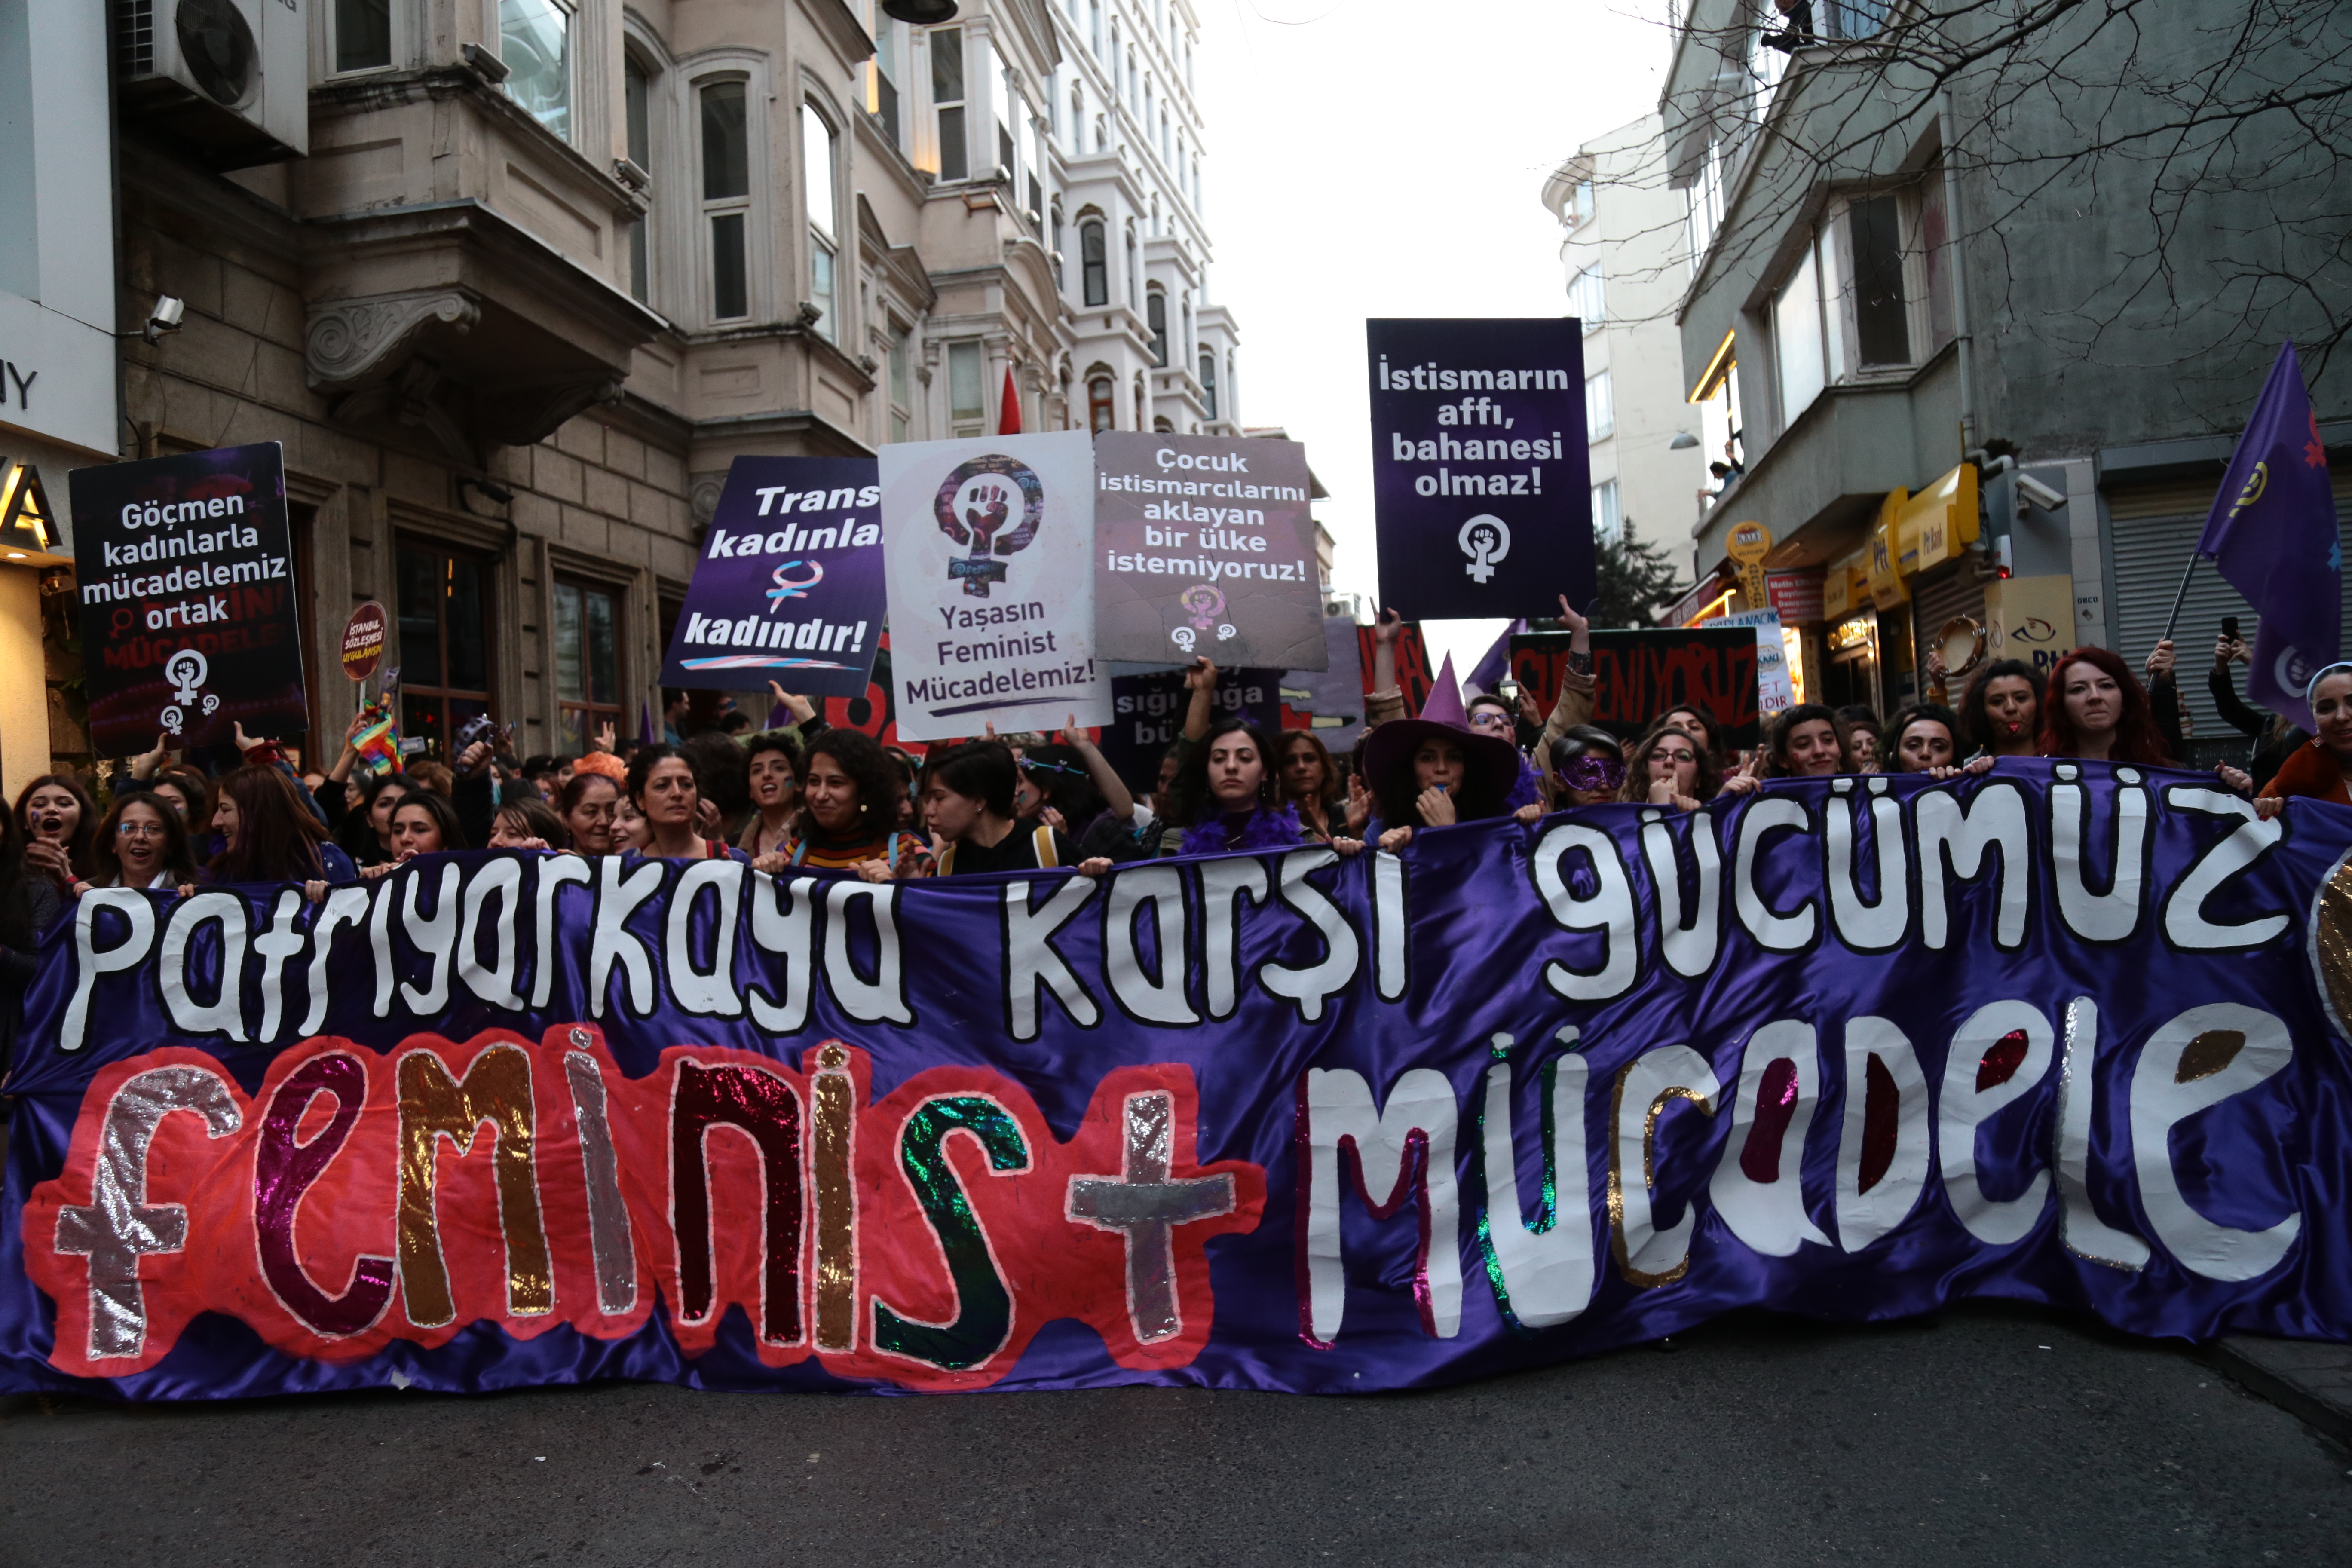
pixel 1884 554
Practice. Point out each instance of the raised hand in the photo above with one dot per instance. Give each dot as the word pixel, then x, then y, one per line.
pixel 246 743
pixel 1388 625
pixel 1201 675
pixel 143 765
pixel 1569 618
pixel 605 738
pixel 474 759
pixel 2159 660
pixel 800 708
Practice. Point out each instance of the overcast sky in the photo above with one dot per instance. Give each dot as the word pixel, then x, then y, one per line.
pixel 1384 158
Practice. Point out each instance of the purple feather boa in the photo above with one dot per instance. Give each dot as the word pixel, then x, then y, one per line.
pixel 1265 830
pixel 1528 790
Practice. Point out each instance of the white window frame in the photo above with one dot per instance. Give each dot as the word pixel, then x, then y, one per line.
pixel 1599 407
pixel 323 43
pixel 572 29
pixel 823 231
pixel 758 261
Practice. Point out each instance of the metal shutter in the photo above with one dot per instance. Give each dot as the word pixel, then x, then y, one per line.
pixel 2152 530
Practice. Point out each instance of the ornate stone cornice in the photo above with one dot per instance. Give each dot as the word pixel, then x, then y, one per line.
pixel 350 341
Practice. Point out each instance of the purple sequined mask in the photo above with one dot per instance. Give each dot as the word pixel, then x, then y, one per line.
pixel 1591 772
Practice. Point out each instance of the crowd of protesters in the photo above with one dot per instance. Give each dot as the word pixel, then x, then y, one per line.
pixel 803 796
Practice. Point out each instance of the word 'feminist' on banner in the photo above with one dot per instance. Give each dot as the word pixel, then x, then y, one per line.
pixel 790 584
pixel 1479 466
pixel 1234 1115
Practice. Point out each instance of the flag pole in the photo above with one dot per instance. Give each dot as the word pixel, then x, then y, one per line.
pixel 2180 598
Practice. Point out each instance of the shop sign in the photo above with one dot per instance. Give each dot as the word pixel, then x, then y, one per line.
pixel 1797 596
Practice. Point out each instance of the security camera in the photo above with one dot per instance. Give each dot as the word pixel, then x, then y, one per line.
pixel 2040 494
pixel 163 317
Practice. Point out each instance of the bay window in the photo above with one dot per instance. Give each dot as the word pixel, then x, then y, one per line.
pixel 948 103
pixel 535 46
pixel 816 184
pixel 727 196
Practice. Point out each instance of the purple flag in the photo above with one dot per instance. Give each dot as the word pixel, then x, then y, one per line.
pixel 2273 535
pixel 645 730
pixel 1497 662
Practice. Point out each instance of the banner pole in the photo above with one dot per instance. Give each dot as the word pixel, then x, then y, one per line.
pixel 2180 598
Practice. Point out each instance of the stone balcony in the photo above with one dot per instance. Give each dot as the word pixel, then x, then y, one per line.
pixel 465 267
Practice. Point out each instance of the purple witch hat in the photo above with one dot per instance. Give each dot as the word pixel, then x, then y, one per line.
pixel 1491 763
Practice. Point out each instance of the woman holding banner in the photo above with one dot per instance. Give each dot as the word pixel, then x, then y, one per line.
pixel 2099 712
pixel 2001 711
pixel 968 795
pixel 2317 769
pixel 1076 790
pixel 1310 783
pixel 589 804
pixel 1806 741
pixel 851 794
pixel 268 835
pixel 424 823
pixel 1227 794
pixel 142 843
pixel 1436 770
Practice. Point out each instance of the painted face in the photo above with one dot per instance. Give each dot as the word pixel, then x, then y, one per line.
pixel 1438 765
pixel 1865 747
pixel 413 832
pixel 173 796
pixel 1302 771
pixel 2331 710
pixel 1237 770
pixel 669 796
pixel 1926 744
pixel 774 782
pixel 951 815
pixel 1674 760
pixel 2010 705
pixel 387 801
pixel 591 821
pixel 2095 703
pixel 832 795
pixel 51 812
pixel 1027 798
pixel 1813 749
pixel 138 838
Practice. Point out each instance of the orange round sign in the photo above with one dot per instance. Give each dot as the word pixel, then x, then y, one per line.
pixel 363 640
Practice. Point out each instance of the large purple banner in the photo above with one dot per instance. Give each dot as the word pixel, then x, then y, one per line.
pixel 1849 1048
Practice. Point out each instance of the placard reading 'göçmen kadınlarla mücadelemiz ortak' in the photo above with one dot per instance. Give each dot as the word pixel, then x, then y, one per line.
pixel 188 603
pixel 1204 545
pixel 1480 486
pixel 790 585
pixel 990 547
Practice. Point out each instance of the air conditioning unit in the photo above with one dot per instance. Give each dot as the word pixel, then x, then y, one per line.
pixel 229 80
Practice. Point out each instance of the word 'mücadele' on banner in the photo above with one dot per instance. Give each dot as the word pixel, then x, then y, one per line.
pixel 189 612
pixel 1480 488
pixel 989 542
pixel 1205 546
pixel 1639 675
pixel 790 584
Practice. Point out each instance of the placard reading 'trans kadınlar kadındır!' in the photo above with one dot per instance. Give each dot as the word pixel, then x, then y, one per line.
pixel 1480 484
pixel 1205 546
pixel 990 545
pixel 190 622
pixel 789 587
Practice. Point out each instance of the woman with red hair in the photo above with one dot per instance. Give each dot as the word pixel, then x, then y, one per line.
pixel 2097 710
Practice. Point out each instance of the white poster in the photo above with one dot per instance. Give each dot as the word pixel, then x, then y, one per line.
pixel 1776 692
pixel 989 544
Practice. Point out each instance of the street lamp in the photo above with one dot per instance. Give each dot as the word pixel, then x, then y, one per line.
pixel 920 13
pixel 1683 442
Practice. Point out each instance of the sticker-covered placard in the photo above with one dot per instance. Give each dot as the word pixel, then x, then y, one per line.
pixel 190 622
pixel 989 544
pixel 789 587
pixel 1479 474
pixel 1205 546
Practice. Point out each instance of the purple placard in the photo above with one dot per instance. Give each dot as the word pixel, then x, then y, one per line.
pixel 190 618
pixel 1480 485
pixel 789 586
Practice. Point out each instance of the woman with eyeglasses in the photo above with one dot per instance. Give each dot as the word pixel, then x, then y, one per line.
pixel 1671 767
pixel 142 843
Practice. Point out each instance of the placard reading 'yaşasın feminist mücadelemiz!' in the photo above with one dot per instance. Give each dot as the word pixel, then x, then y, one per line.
pixel 1480 485
pixel 989 544
pixel 1204 545
pixel 190 619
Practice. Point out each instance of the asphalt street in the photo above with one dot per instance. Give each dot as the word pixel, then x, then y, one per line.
pixel 1991 1435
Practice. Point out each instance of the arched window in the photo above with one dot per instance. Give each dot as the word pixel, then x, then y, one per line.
pixel 1209 384
pixel 1156 312
pixel 1163 426
pixel 1134 279
pixel 1094 268
pixel 1099 413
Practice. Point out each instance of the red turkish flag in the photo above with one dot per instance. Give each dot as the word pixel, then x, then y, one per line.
pixel 1008 419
